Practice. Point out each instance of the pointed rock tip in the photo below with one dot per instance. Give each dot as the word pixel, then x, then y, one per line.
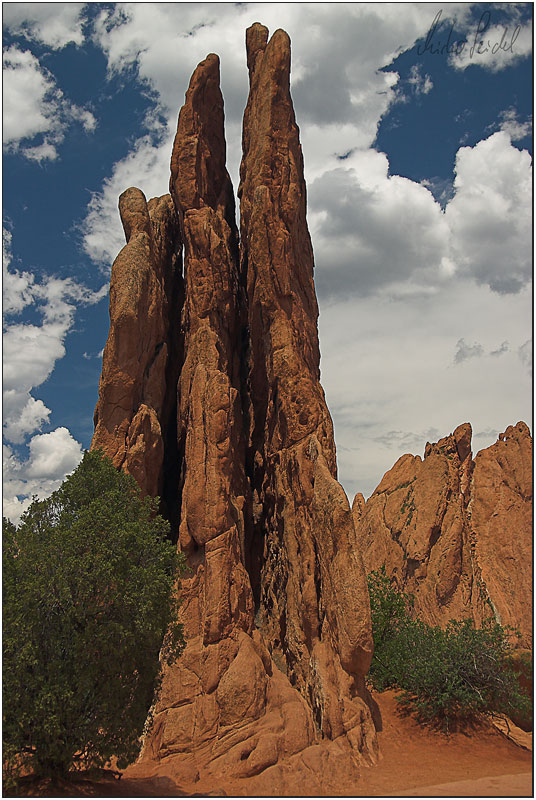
pixel 358 504
pixel 277 56
pixel 256 36
pixel 281 37
pixel 462 436
pixel 131 195
pixel 210 63
pixel 256 39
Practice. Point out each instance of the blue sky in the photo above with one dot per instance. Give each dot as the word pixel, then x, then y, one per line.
pixel 418 165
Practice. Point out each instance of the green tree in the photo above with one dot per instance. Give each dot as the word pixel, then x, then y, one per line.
pixel 88 595
pixel 443 675
pixel 390 611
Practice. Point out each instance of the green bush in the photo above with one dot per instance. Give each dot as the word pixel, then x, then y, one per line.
pixel 88 579
pixel 445 675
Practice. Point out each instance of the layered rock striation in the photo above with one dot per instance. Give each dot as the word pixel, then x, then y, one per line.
pixel 210 396
pixel 456 532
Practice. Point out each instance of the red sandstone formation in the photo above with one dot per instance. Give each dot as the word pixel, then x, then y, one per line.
pixel 270 689
pixel 210 427
pixel 134 405
pixel 221 679
pixel 457 533
pixel 501 517
pixel 307 574
pixel 210 396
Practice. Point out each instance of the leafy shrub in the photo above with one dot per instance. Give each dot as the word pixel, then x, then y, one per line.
pixel 445 675
pixel 88 587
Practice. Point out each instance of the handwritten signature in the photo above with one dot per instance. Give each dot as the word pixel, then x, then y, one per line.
pixel 479 45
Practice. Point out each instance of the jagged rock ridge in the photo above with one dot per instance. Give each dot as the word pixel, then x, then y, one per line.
pixel 457 532
pixel 210 396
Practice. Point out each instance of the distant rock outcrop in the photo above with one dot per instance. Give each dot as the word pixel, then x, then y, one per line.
pixel 501 518
pixel 457 532
pixel 210 396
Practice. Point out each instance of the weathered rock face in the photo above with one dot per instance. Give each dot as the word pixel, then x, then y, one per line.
pixel 210 426
pixel 269 694
pixel 307 575
pixel 501 517
pixel 204 691
pixel 140 359
pixel 457 533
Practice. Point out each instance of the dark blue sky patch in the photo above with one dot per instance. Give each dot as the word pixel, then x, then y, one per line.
pixel 344 156
pixel 422 134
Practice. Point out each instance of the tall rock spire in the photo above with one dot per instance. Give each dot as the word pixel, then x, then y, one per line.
pixel 214 488
pixel 269 691
pixel 209 419
pixel 307 575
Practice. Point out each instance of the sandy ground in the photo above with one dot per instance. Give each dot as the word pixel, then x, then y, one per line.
pixel 519 785
pixel 420 762
pixel 415 761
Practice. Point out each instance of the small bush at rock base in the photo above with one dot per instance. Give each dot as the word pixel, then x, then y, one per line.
pixel 444 676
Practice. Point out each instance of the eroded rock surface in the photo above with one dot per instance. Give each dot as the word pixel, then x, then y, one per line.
pixel 307 574
pixel 232 428
pixel 141 356
pixel 501 517
pixel 457 532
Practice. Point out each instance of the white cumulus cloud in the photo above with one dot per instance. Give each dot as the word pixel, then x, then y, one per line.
pixel 53 24
pixel 372 230
pixel 490 215
pixel 513 126
pixel 33 105
pixel 375 232
pixel 16 286
pixel 494 46
pixel 26 89
pixel 53 455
